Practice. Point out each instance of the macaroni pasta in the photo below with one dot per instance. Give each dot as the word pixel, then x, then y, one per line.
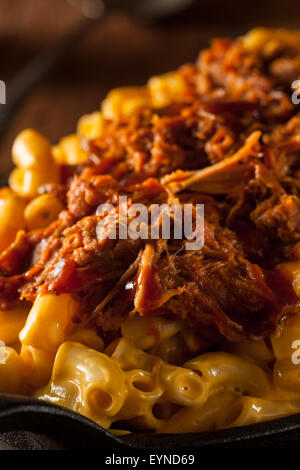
pixel 133 334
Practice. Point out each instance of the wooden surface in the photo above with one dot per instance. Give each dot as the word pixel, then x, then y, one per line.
pixel 118 51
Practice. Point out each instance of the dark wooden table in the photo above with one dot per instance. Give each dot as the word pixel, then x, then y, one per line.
pixel 120 51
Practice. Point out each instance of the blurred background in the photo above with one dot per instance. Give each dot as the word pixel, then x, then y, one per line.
pixel 118 50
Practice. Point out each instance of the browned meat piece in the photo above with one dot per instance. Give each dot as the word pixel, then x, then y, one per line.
pixel 85 195
pixel 228 71
pixel 215 288
pixel 286 69
pixel 279 218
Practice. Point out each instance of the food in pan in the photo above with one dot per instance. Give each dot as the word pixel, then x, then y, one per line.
pixel 146 333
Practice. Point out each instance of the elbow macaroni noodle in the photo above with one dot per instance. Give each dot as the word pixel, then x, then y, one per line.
pixel 153 377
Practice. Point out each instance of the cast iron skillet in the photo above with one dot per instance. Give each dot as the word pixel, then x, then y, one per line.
pixel 74 432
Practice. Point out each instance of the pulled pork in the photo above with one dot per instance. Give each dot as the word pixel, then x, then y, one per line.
pixel 232 142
